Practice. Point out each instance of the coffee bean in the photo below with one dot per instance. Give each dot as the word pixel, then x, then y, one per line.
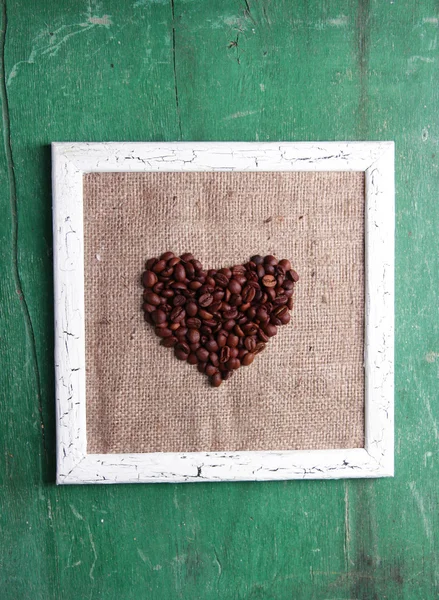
pixel 181 350
pixel 152 298
pixel 195 285
pixel 229 325
pixel 233 363
pixel 177 314
pixel 202 354
pixel 269 329
pixel 234 286
pixel 232 340
pixel 173 261
pixel 203 314
pixel 269 281
pixel 158 316
pixel 293 275
pixel 248 359
pixel 205 300
pixel 263 336
pixel 221 339
pixel 216 380
pixel 149 279
pixel 224 354
pixel 169 342
pixel 214 359
pixel 221 280
pixel 210 370
pixel 179 300
pixel 159 266
pixel 238 331
pixel 281 299
pixel 285 318
pixel 259 347
pixel 230 313
pixel 248 294
pixel 250 343
pixel 180 333
pixel 193 336
pixel 193 322
pixel 212 346
pixel 257 259
pixel 179 272
pixel 238 270
pixel 187 256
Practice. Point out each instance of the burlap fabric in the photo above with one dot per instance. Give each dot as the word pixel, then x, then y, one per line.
pixel 305 391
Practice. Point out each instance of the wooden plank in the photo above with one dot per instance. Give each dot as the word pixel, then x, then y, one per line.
pixel 244 71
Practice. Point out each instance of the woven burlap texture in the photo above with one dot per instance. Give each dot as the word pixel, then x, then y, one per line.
pixel 305 391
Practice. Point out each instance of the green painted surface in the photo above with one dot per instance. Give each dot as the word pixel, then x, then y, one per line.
pixel 207 70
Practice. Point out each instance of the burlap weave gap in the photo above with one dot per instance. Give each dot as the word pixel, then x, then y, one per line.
pixel 305 391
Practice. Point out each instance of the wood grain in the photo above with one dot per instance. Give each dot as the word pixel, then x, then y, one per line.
pixel 244 71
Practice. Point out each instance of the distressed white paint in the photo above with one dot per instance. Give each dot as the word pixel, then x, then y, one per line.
pixel 71 160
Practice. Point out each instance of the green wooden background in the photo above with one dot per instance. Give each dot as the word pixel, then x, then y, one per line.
pixel 215 70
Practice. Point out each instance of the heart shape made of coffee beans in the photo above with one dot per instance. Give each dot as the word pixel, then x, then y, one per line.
pixel 219 319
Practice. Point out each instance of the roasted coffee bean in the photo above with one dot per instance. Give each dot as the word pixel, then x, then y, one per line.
pixel 149 279
pixel 293 275
pixel 194 347
pixel 179 300
pixel 238 331
pixel 179 272
pixel 177 314
pixel 221 280
pixel 290 303
pixel 190 270
pixel 247 359
pixel 159 266
pixel 250 328
pixel 205 300
pixel 194 285
pixel 169 342
pixel 202 367
pixel 259 347
pixel 158 316
pixel 174 326
pixel 187 256
pixel 212 346
pixel 281 299
pixel 214 359
pixel 250 343
pixel 233 364
pixel 248 293
pixel 166 274
pixel 152 298
pixel 215 306
pixel 286 264
pixel 167 256
pixel 193 322
pixel 270 260
pixel 232 340
pixel 234 352
pixel 285 318
pixel 257 259
pixel 210 370
pixel 216 380
pixel 167 294
pixel 193 336
pixel 181 350
pixel 263 336
pixel 238 270
pixel 203 314
pixel 269 329
pixel 192 359
pixel 221 339
pixel 173 261
pixel 269 281
pixel 180 333
pixel 230 313
pixel 202 354
pixel 235 300
pixel 229 325
pixel 234 286
pixel 275 321
pixel 224 354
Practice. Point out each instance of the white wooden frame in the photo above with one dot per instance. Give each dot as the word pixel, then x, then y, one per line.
pixel 71 160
